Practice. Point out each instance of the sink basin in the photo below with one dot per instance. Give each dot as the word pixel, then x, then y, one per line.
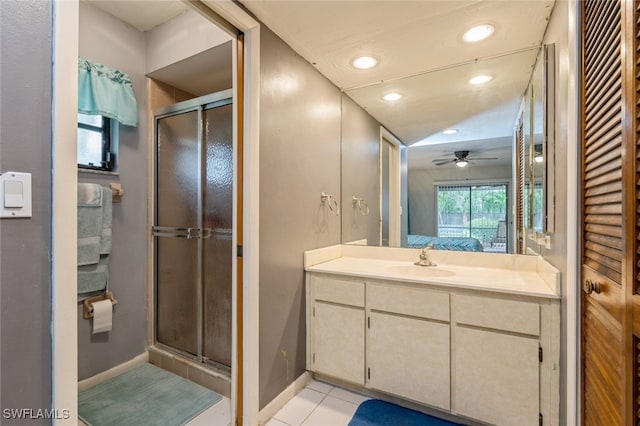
pixel 420 271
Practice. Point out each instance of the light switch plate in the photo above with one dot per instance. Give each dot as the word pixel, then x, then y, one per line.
pixel 15 195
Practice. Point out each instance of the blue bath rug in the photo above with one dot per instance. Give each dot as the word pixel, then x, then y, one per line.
pixel 375 412
pixel 145 395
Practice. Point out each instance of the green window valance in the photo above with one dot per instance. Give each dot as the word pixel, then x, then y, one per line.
pixel 106 91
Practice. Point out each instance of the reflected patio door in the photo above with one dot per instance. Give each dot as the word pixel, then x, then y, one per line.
pixel 194 227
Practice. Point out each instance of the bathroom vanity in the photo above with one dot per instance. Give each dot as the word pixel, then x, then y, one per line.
pixel 476 336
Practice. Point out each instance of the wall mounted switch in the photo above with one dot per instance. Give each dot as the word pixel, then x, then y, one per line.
pixel 15 195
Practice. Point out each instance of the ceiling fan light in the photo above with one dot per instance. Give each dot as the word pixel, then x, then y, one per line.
pixel 364 62
pixel 538 158
pixel 480 79
pixel 450 131
pixel 478 33
pixel 462 163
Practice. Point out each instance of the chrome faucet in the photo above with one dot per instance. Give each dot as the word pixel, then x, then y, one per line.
pixel 424 256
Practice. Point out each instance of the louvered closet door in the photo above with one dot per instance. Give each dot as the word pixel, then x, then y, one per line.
pixel 605 251
pixel 634 289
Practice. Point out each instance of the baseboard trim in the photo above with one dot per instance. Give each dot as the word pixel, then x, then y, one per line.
pixel 85 384
pixel 279 401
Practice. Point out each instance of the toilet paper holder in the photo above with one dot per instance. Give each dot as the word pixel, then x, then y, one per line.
pixel 87 308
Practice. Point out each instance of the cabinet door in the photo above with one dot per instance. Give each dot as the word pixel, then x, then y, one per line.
pixel 409 357
pixel 338 341
pixel 496 377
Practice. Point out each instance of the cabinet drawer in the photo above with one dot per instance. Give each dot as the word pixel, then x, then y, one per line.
pixel 411 301
pixel 509 315
pixel 336 290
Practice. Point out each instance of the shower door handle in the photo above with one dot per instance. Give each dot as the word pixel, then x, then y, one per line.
pixel 175 232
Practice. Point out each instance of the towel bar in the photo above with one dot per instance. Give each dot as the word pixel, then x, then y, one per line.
pixel 87 309
pixel 116 192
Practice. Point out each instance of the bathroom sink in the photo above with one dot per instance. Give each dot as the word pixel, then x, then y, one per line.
pixel 420 271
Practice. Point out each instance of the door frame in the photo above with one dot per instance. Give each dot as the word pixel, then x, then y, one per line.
pixel 570 307
pixel 64 212
pixel 395 179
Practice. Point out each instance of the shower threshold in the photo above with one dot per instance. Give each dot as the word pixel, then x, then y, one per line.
pixel 206 373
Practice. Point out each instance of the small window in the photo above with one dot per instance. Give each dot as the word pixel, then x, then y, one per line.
pixel 94 142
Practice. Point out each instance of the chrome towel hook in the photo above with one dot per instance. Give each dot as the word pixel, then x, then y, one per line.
pixel 330 201
pixel 361 205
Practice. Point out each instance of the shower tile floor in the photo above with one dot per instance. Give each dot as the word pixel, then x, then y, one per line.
pixel 218 414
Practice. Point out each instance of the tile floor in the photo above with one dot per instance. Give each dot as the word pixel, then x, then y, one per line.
pixel 217 415
pixel 319 404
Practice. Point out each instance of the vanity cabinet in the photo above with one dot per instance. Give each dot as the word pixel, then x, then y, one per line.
pixel 407 343
pixel 338 332
pixel 471 353
pixel 497 359
pixel 409 357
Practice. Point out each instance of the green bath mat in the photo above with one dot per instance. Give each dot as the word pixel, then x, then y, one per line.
pixel 146 395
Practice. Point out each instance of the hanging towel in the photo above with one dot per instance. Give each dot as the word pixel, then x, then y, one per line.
pixel 90 223
pixel 92 278
pixel 107 219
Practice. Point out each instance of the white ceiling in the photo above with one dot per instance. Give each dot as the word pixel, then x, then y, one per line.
pixel 142 14
pixel 421 54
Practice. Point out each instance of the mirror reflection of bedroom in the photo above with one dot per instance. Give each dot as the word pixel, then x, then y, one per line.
pixel 474 140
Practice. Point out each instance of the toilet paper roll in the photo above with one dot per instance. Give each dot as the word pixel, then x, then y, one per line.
pixel 102 316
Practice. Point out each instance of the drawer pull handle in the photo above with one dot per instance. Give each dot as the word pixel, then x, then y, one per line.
pixel 591 287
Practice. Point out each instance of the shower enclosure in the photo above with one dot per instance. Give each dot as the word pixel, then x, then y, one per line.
pixel 193 227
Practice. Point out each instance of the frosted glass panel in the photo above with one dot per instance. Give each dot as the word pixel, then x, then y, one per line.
pixel 177 171
pixel 177 206
pixel 176 299
pixel 218 215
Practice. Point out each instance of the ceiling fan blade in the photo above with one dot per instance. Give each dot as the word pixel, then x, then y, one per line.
pixel 443 162
pixel 439 160
pixel 482 158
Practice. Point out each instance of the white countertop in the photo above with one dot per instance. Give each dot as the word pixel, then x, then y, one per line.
pixel 503 279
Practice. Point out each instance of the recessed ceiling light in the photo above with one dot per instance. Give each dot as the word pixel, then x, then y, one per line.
pixel 477 33
pixel 450 131
pixel 392 97
pixel 364 62
pixel 480 79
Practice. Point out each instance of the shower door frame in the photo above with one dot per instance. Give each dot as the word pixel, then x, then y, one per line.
pixel 199 105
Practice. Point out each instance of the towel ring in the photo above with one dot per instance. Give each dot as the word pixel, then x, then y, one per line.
pixel 329 200
pixel 361 205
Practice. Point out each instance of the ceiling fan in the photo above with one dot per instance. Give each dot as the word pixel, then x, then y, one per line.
pixel 461 159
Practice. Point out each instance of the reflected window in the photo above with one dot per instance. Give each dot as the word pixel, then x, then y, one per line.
pixel 474 211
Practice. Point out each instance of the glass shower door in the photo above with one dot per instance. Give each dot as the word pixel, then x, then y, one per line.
pixel 194 228
pixel 218 248
pixel 177 211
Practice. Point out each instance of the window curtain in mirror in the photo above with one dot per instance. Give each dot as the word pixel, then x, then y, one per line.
pixel 105 91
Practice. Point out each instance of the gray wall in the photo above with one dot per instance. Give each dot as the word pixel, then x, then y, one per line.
pixel 360 173
pixel 299 158
pixel 109 41
pixel 422 194
pixel 25 244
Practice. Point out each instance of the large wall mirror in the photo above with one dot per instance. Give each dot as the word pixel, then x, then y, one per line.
pixel 536 151
pixel 456 169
